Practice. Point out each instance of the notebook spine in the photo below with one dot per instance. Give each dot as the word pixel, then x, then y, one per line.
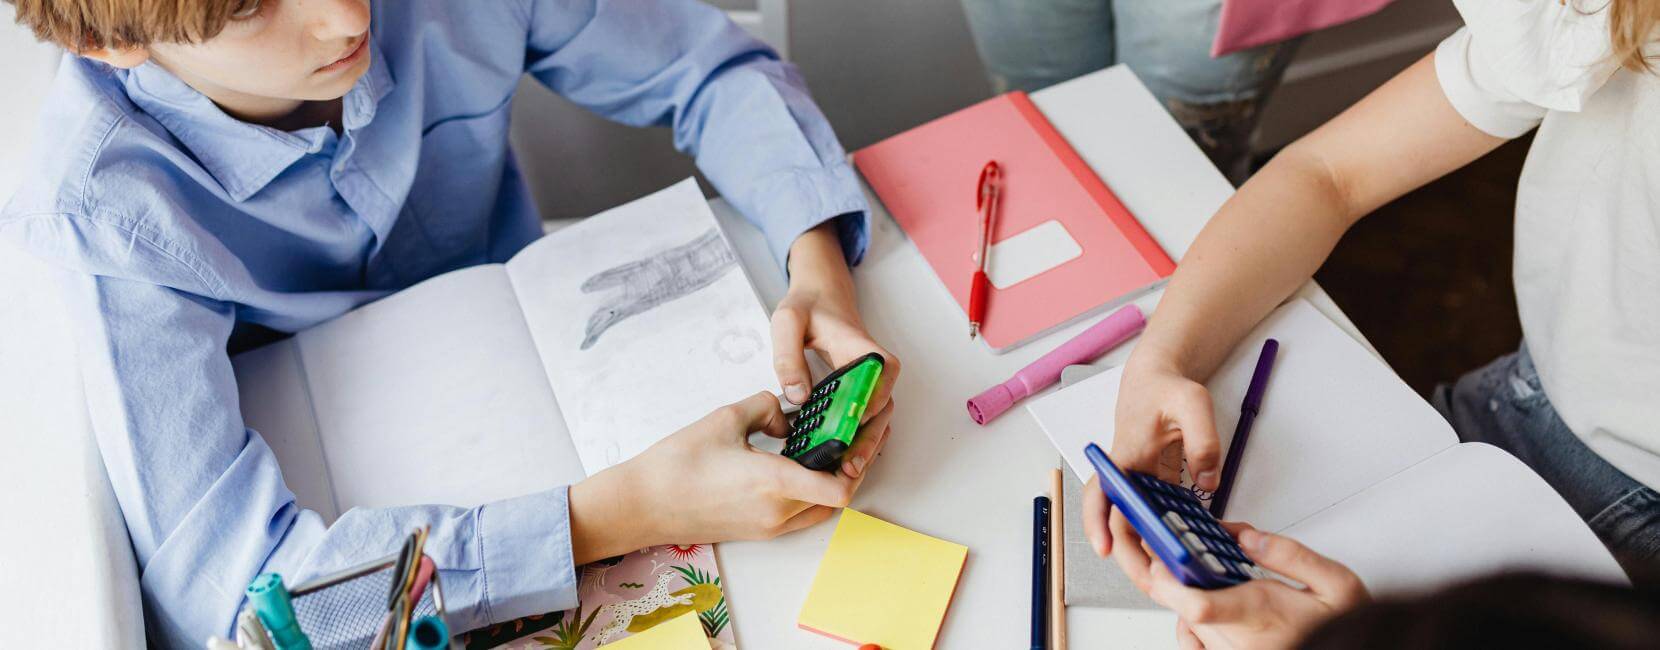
pixel 1138 237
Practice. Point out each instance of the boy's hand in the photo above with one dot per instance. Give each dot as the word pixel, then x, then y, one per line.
pixel 821 312
pixel 1162 417
pixel 705 483
pixel 1262 613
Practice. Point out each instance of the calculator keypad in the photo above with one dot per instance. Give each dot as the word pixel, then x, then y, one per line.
pixel 1197 529
pixel 809 418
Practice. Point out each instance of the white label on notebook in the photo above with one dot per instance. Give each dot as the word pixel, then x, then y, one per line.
pixel 1021 257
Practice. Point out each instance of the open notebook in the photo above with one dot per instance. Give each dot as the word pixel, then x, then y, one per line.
pixel 504 379
pixel 1347 459
pixel 499 380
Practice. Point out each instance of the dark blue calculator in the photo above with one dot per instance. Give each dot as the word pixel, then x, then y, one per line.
pixel 1181 532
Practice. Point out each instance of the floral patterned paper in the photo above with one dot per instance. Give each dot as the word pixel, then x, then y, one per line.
pixel 625 595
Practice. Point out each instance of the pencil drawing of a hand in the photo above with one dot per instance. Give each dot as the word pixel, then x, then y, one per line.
pixel 645 283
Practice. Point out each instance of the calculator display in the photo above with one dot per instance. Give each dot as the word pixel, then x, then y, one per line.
pixel 1181 532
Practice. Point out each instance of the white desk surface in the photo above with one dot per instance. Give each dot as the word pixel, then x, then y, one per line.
pixel 941 474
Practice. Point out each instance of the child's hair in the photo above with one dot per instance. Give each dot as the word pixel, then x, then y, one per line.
pixel 81 25
pixel 1631 24
pixel 1512 611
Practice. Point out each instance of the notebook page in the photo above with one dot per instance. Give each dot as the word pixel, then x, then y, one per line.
pixel 270 386
pixel 435 395
pixel 1334 419
pixel 1469 511
pixel 645 322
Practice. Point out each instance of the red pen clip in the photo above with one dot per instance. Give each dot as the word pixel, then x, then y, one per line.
pixel 990 177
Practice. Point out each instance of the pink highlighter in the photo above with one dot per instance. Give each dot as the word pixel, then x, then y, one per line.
pixel 1092 343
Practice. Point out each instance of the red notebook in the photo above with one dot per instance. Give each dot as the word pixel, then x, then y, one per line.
pixel 1064 247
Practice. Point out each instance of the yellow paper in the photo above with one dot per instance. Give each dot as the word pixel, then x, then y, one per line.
pixel 682 632
pixel 881 583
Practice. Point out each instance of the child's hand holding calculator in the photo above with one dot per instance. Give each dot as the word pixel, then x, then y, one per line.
pixel 1184 536
pixel 828 421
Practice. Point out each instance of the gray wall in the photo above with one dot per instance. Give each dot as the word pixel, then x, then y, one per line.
pixel 880 66
pixel 875 67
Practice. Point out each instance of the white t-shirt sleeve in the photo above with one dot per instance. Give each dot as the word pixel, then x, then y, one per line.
pixel 1516 60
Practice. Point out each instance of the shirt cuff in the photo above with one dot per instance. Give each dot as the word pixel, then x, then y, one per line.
pixel 795 202
pixel 528 565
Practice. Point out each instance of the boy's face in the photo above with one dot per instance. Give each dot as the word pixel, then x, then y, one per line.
pixel 269 59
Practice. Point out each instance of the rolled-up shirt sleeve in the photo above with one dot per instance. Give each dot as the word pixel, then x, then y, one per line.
pixel 1515 61
pixel 205 503
pixel 744 114
pixel 1478 94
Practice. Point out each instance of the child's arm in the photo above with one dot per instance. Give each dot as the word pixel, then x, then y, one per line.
pixel 206 507
pixel 1266 241
pixel 758 137
pixel 204 501
pixel 727 98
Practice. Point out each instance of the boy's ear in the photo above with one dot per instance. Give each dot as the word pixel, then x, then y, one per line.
pixel 127 57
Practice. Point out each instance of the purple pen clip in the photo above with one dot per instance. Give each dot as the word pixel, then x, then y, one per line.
pixel 1259 377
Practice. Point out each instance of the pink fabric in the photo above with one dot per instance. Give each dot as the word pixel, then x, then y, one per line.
pixel 1249 23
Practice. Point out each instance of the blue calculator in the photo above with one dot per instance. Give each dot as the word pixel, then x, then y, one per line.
pixel 1181 532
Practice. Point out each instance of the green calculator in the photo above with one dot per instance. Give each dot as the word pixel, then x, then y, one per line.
pixel 826 424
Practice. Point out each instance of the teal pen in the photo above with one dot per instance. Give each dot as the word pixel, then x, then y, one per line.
pixel 276 613
pixel 428 633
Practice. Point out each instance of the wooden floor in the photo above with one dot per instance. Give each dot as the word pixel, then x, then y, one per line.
pixel 1427 278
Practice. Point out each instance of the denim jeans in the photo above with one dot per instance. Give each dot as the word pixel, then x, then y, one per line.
pixel 1502 404
pixel 1029 44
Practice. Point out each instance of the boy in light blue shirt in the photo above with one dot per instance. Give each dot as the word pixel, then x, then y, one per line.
pixel 215 170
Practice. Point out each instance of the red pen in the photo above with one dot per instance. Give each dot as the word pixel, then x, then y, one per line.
pixel 985 200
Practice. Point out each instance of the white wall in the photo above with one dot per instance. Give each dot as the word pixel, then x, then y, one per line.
pixel 29 66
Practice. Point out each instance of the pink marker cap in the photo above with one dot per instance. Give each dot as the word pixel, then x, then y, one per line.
pixel 990 404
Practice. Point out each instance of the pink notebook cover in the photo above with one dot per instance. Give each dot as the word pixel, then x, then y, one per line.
pixel 926 177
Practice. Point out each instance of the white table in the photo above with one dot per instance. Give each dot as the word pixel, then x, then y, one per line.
pixel 941 474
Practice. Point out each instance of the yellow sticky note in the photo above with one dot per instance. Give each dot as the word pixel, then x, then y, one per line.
pixel 682 632
pixel 881 583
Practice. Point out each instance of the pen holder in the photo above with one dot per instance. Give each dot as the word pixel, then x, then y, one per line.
pixel 343 610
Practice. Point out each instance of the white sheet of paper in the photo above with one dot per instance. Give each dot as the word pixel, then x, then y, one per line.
pixel 276 404
pixel 1469 511
pixel 1334 419
pixel 435 395
pixel 668 329
pixel 1027 254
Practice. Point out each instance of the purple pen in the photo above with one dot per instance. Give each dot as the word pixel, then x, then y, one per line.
pixel 1242 432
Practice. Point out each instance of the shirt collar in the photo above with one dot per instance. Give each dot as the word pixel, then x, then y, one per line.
pixel 244 157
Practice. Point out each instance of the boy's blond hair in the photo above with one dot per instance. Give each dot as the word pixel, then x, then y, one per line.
pixel 80 25
pixel 93 24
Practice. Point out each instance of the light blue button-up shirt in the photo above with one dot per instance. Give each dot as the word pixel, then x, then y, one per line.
pixel 192 231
